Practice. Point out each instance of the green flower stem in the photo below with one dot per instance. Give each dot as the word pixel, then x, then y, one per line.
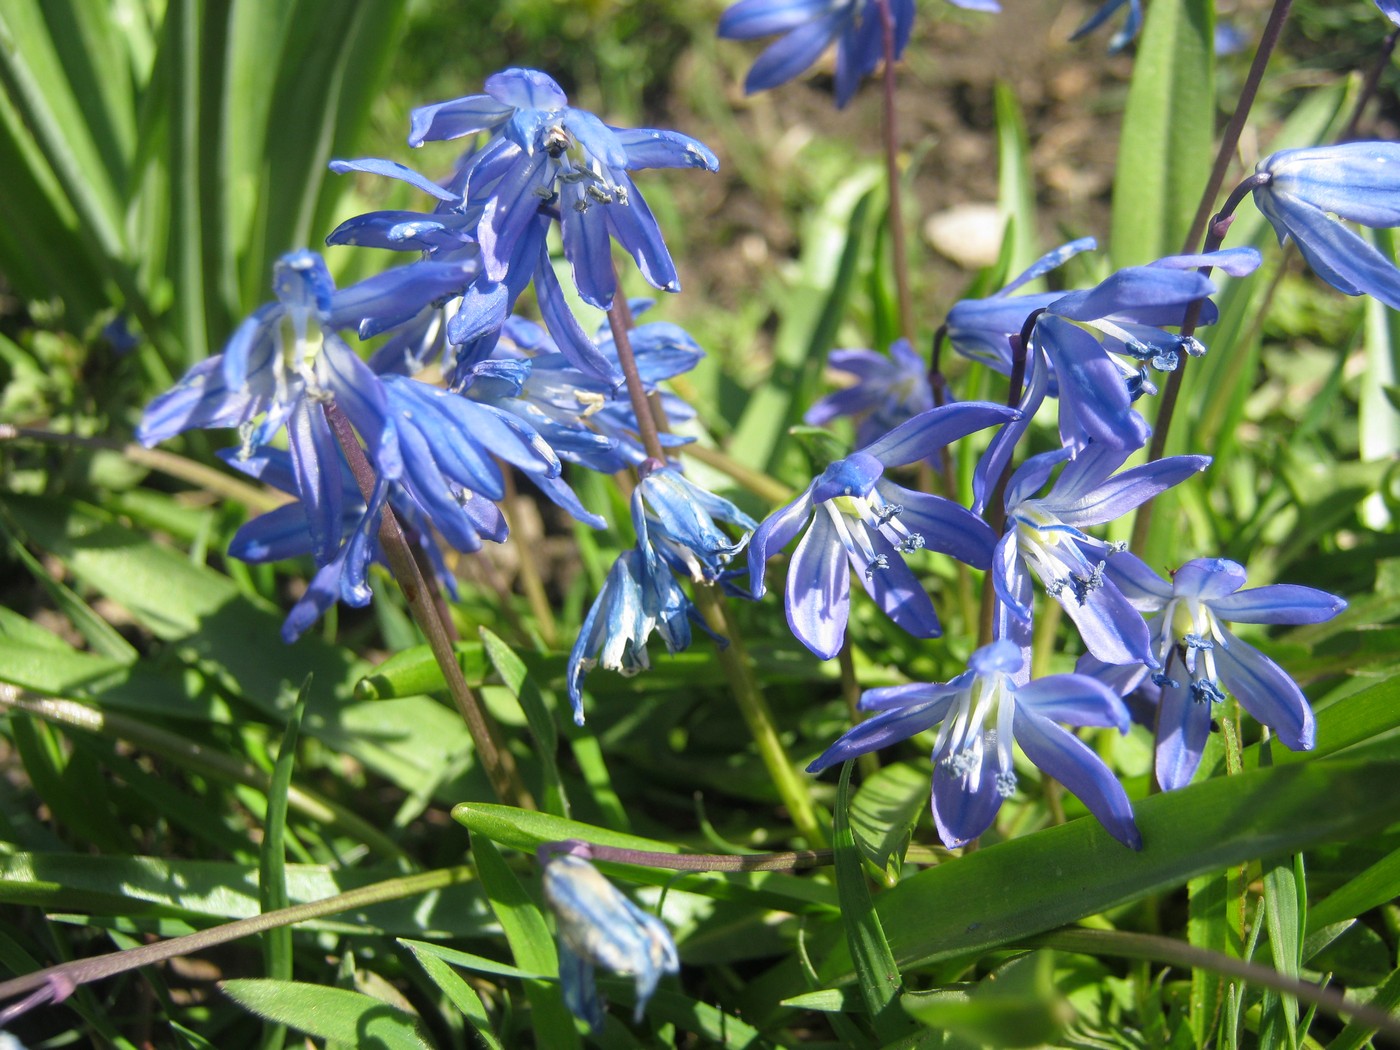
pixel 1229 142
pixel 1150 947
pixel 199 759
pixel 733 658
pixel 207 478
pixel 59 981
pixel 792 787
pixel 498 762
pixel 891 136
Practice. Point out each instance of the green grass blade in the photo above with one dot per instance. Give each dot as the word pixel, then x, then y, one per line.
pixel 461 994
pixel 272 859
pixel 537 715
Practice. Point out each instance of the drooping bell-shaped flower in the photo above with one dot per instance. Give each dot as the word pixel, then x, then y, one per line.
pixel 598 926
pixel 1198 658
pixel 980 713
pixel 1300 190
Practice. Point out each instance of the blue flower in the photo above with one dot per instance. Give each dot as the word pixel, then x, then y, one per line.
pixel 887 391
pixel 276 370
pixel 1125 35
pixel 1197 657
pixel 981 712
pixel 861 519
pixel 1045 538
pixel 1391 9
pixel 598 926
pixel 1298 191
pixel 639 596
pixel 808 28
pixel 543 153
pixel 677 518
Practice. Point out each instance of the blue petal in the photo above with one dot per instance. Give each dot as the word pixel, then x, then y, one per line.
pixel 395 296
pixel 1051 260
pixel 898 697
pixel 1183 727
pixel 818 594
pixel 929 431
pixel 395 170
pixel 1208 579
pixel 894 587
pixel 1094 400
pixel 1010 579
pixel 526 89
pixel 200 399
pixel 883 730
pixel 1278 603
pixel 793 53
pixel 1077 505
pixel 1356 180
pixel 359 395
pixel 1340 257
pixel 580 988
pixel 315 459
pixel 944 525
pixel 455 118
pixel 656 148
pixel 1146 590
pixel 634 227
pixel 1070 761
pixel 1133 289
pixel 754 18
pixel 773 534
pixel 512 206
pixel 960 812
pixel 1266 692
pixel 588 247
pixel 573 341
pixel 279 534
pixel 1237 262
pixel 855 475
pixel 1074 698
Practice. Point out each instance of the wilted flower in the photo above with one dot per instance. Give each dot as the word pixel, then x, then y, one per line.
pixel 1197 655
pixel 679 518
pixel 808 28
pixel 598 926
pixel 1299 190
pixel 859 519
pixel 981 712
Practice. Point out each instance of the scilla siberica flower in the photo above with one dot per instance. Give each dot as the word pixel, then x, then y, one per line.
pixel 1299 190
pixel 859 519
pixel 808 28
pixel 598 926
pixel 1199 657
pixel 544 153
pixel 1045 538
pixel 981 712
pixel 277 369
pixel 888 390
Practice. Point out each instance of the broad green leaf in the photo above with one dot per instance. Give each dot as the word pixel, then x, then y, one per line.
pixel 877 974
pixel 336 1014
pixel 1167 139
pixel 711 1024
pixel 415 671
pixel 884 811
pixel 1016 1006
pixel 530 943
pixel 1015 889
pixel 1370 889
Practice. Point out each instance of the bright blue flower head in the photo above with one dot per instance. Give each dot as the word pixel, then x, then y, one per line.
pixel 1200 658
pixel 861 520
pixel 981 712
pixel 281 364
pixel 677 518
pixel 598 926
pixel 543 153
pixel 1299 190
pixel 808 28
pixel 1045 538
